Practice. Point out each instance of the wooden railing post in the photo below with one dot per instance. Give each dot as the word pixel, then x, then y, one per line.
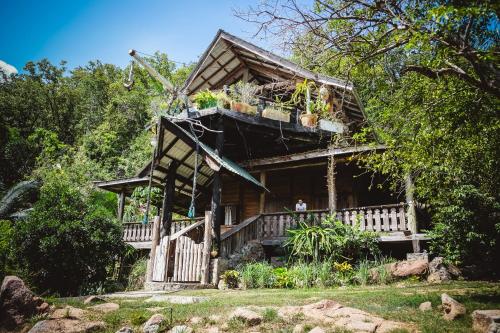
pixel 207 245
pixel 410 201
pixel 152 253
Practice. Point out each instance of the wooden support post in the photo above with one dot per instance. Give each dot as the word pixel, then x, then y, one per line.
pixel 410 201
pixel 168 199
pixel 154 245
pixel 332 188
pixel 262 197
pixel 217 213
pixel 121 205
pixel 207 246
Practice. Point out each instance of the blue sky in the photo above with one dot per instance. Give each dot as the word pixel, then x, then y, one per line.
pixel 78 31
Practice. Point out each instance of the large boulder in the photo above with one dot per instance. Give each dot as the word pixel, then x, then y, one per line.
pixel 452 308
pixel 253 251
pixel 67 325
pixel 439 271
pixel 482 320
pixel 105 307
pixel 18 303
pixel 248 316
pixel 407 268
pixel 154 324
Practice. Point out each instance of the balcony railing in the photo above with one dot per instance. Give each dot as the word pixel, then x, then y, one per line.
pixel 384 218
pixel 138 232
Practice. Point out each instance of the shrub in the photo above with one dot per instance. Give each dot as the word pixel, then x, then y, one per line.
pixel 5 235
pixel 205 99
pixel 66 242
pixel 362 274
pixel 282 278
pixel 137 275
pixel 257 275
pixel 302 275
pixel 231 278
pixel 330 239
pixel 270 315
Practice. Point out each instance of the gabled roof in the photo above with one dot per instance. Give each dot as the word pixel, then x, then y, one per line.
pixel 229 58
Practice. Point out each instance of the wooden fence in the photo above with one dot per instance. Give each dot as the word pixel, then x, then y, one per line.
pixel 138 232
pixel 240 234
pixel 385 218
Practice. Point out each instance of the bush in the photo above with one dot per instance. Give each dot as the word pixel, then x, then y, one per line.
pixel 5 235
pixel 330 239
pixel 231 278
pixel 68 242
pixel 257 275
pixel 137 275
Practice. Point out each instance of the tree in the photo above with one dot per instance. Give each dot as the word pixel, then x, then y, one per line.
pixel 461 36
pixel 63 247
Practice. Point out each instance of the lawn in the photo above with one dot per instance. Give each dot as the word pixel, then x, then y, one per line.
pixel 396 302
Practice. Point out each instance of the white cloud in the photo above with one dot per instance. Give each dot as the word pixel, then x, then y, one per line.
pixel 7 69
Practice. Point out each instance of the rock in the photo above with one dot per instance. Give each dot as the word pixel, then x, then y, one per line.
pixel 441 272
pixel 425 306
pixel 482 319
pixel 177 299
pixel 277 262
pixel 93 300
pixel 154 323
pixel 196 320
pixel 69 312
pixel 388 326
pixel 250 317
pixel 18 303
pixel 253 251
pixel 317 329
pixel 418 255
pixel 181 329
pixel 213 329
pixel 105 307
pixel 215 318
pixel 222 285
pixel 494 328
pixel 67 326
pixel 125 329
pixel 409 268
pixel 451 307
pixel 299 328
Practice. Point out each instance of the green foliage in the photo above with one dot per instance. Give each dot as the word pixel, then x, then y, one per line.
pixel 231 278
pixel 205 99
pixel 137 274
pixel 5 236
pixel 283 278
pixel 65 247
pixel 270 315
pixel 330 239
pixel 257 275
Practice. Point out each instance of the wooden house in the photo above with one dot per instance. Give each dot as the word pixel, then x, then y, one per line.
pixel 250 170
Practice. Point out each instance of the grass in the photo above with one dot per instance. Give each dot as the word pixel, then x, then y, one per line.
pixel 396 302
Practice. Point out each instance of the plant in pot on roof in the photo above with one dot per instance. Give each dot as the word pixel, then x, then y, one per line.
pixel 277 111
pixel 302 95
pixel 205 99
pixel 243 96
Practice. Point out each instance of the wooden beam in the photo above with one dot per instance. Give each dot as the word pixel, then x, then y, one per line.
pixel 207 80
pixel 262 196
pixel 168 199
pixel 121 205
pixel 207 247
pixel 226 77
pixel 152 254
pixel 410 201
pixel 332 187
pixel 311 155
pixel 216 208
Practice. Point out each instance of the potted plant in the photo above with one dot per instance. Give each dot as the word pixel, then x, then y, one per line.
pixel 205 99
pixel 302 95
pixel 276 111
pixel 243 96
pixel 329 109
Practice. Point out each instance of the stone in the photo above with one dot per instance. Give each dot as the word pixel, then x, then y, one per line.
pixel 105 307
pixel 68 312
pixel 67 325
pixel 299 328
pixel 177 299
pixel 494 328
pixel 418 255
pixel 18 303
pixel 222 285
pixel 482 319
pixel 441 272
pixel 425 306
pixel 317 329
pixel 181 329
pixel 125 329
pixel 277 262
pixel 214 318
pixel 409 268
pixel 253 251
pixel 388 326
pixel 153 324
pixel 196 320
pixel 213 329
pixel 250 317
pixel 93 300
pixel 452 308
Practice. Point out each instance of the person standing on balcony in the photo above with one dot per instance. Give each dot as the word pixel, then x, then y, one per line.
pixel 300 206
